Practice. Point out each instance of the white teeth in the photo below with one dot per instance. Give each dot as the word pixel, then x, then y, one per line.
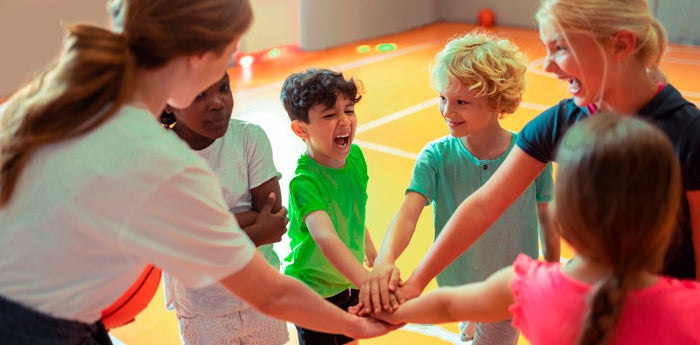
pixel 574 86
pixel 342 136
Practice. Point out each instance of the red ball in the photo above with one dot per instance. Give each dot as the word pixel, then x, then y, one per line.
pixel 486 18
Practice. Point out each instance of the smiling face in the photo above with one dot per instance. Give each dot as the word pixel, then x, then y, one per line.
pixel 579 60
pixel 329 132
pixel 465 113
pixel 207 118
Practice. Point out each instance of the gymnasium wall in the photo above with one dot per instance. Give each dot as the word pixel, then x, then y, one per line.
pixel 328 23
pixel 31 30
pixel 31 34
pixel 276 24
pixel 681 19
pixel 518 13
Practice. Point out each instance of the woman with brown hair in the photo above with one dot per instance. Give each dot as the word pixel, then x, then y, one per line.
pixel 92 189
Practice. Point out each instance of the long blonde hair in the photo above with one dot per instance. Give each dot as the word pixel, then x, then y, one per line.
pixel 617 197
pixel 94 74
pixel 603 18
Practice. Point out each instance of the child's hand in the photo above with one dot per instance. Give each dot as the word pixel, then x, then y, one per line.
pixel 359 309
pixel 380 290
pixel 272 225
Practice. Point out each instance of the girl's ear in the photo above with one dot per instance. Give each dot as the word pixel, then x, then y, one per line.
pixel 299 128
pixel 624 44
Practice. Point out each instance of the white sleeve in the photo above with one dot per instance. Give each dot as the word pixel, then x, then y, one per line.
pixel 184 228
pixel 261 166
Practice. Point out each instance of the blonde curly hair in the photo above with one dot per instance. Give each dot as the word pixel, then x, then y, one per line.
pixel 491 66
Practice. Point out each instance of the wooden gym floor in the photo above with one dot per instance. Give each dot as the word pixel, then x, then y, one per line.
pixel 396 117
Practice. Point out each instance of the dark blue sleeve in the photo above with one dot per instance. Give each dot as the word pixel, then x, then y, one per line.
pixel 541 136
pixel 680 120
pixel 689 152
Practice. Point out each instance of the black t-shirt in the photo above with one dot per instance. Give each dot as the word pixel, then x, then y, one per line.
pixel 670 112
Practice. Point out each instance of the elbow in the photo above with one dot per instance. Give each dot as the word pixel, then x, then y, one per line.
pixel 269 306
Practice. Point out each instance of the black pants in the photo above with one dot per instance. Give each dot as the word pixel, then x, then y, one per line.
pixel 20 325
pixel 343 300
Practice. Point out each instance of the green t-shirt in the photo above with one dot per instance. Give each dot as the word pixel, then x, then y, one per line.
pixel 342 194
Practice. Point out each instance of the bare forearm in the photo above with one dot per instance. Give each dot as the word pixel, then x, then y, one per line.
pixel 464 228
pixel 395 241
pixel 432 308
pixel 257 234
pixel 283 297
pixel 478 212
pixel 549 235
pixel 342 259
pixel 317 313
pixel 401 228
pixel 246 218
pixel 485 301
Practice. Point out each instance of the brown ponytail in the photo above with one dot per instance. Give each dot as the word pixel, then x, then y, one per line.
pixel 91 78
pixel 95 73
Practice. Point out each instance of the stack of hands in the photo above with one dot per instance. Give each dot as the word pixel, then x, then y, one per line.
pixel 382 293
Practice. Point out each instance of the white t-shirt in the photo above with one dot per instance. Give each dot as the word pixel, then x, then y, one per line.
pixel 242 159
pixel 88 214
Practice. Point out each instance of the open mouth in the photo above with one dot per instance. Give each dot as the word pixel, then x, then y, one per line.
pixel 342 140
pixel 574 86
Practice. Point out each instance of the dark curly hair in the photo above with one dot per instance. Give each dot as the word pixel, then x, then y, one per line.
pixel 303 90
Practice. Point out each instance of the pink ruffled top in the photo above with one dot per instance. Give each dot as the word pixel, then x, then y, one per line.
pixel 549 308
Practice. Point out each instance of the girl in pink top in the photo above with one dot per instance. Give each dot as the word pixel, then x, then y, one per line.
pixel 616 200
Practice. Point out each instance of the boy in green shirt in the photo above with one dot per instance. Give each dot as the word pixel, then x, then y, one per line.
pixel 328 194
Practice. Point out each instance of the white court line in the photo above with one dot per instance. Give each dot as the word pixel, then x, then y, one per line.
pixel 534 106
pixel 276 86
pixel 116 341
pixel 534 67
pixel 435 332
pixel 396 115
pixel 692 94
pixel 386 149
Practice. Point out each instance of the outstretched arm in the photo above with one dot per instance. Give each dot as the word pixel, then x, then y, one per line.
pixel 323 232
pixel 258 281
pixel 384 280
pixel 486 301
pixel 370 250
pixel 550 240
pixel 474 216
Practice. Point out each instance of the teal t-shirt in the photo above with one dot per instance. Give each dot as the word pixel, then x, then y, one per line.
pixel 446 173
pixel 342 194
